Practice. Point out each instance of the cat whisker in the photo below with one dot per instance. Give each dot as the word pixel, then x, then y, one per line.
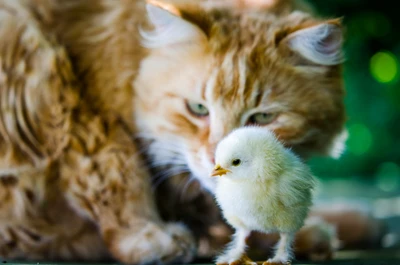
pixel 165 148
pixel 160 181
pixel 176 170
pixel 164 153
pixel 166 162
pixel 172 142
pixel 150 143
pixel 169 173
pixel 160 144
pixel 168 158
pixel 186 186
pixel 142 149
pixel 144 136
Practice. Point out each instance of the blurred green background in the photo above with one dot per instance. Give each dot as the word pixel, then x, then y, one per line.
pixel 372 74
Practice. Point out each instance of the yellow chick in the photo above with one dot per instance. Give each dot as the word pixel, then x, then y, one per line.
pixel 262 187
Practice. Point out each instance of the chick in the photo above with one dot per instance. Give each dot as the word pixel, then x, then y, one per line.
pixel 262 187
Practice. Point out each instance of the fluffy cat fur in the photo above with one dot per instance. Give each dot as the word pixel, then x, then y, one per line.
pixel 93 102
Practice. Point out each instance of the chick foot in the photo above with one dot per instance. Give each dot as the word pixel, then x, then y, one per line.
pixel 235 253
pixel 243 260
pixel 277 262
pixel 283 251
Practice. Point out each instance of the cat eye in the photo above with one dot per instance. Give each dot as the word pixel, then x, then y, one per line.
pixel 197 109
pixel 262 118
pixel 236 162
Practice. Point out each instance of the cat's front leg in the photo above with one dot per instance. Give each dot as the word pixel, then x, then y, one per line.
pixel 106 182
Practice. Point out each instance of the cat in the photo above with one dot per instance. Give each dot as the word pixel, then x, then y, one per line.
pixel 96 97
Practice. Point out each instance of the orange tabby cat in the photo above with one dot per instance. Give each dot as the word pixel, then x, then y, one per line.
pixel 95 96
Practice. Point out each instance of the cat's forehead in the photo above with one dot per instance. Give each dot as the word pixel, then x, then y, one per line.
pixel 230 79
pixel 242 32
pixel 245 78
pixel 245 59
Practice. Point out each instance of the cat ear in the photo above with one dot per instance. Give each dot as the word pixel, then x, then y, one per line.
pixel 320 44
pixel 169 28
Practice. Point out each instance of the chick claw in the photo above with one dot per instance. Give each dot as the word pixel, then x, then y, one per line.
pixel 244 260
pixel 268 262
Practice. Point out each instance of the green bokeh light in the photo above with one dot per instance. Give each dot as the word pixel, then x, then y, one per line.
pixel 388 177
pixel 384 67
pixel 360 140
pixel 372 81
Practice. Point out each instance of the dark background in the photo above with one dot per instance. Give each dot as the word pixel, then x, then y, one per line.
pixel 367 176
pixel 372 71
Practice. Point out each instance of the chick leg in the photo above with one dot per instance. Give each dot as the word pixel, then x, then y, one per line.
pixel 283 254
pixel 236 251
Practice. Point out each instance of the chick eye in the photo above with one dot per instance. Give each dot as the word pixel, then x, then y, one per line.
pixel 262 118
pixel 197 109
pixel 236 162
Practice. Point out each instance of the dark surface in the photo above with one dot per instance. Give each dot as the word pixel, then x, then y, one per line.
pixel 378 257
pixel 341 262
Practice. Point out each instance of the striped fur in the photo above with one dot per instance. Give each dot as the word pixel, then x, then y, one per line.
pixel 88 114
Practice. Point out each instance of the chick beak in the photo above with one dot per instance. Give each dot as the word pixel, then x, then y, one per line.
pixel 219 171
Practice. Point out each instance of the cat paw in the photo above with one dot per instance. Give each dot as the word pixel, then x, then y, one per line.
pixel 153 243
pixel 316 240
pixel 183 240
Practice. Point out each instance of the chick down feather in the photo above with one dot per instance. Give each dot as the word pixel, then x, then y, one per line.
pixel 262 186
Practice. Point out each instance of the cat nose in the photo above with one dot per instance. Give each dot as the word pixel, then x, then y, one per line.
pixel 212 159
pixel 210 153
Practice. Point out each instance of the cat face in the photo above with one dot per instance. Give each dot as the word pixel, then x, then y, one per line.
pixel 207 75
